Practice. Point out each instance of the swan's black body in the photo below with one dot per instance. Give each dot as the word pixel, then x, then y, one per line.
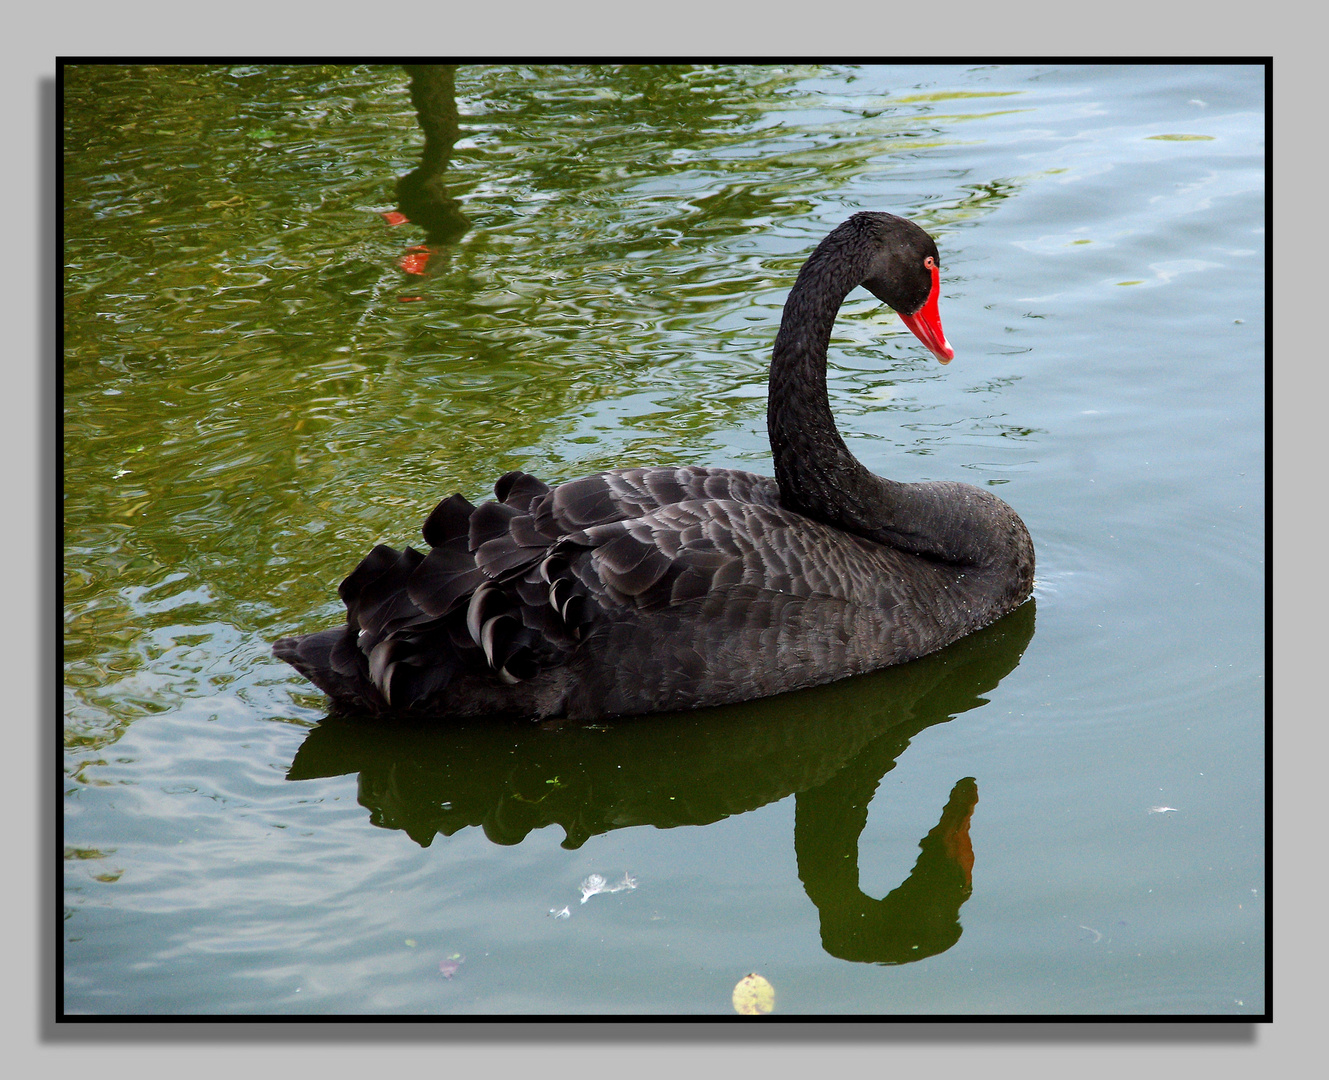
pixel 647 590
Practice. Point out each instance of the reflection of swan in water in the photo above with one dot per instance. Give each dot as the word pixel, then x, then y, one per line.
pixel 828 746
pixel 918 919
pixel 422 194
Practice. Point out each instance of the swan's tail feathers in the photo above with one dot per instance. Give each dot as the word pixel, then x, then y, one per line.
pixel 329 661
pixel 495 601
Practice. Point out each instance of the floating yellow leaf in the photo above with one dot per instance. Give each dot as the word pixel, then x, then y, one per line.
pixel 753 996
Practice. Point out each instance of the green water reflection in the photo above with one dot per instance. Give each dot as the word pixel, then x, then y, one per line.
pixel 247 398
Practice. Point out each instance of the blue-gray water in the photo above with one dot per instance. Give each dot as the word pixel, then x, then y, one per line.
pixel 255 394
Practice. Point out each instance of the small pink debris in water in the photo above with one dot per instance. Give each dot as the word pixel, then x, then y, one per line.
pixel 448 967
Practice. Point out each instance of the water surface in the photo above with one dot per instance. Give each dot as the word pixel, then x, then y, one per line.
pixel 1063 814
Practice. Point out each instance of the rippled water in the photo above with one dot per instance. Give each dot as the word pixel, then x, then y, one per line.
pixel 1062 814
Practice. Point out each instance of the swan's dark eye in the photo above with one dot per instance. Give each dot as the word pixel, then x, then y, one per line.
pixel 930 263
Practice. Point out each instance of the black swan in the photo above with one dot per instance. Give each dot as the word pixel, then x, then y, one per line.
pixel 657 589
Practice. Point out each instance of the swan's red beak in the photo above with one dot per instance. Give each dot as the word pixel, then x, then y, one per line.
pixel 926 322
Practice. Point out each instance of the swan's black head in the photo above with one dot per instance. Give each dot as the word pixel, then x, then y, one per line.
pixel 898 274
pixel 904 272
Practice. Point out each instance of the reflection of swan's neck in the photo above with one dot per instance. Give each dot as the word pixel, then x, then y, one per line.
pixel 920 917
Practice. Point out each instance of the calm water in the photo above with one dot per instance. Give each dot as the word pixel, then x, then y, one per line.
pixel 255 393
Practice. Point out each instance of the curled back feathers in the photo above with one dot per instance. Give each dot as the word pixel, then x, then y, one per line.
pixel 514 585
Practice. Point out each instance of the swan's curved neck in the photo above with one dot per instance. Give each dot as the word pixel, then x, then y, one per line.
pixel 817 474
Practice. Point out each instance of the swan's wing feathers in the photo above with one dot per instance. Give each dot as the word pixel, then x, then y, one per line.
pixel 629 565
pixel 577 505
pixel 701 573
pixel 682 551
pixel 525 534
pixel 449 522
pixel 517 582
pixel 443 579
pixel 378 562
pixel 519 490
pixel 490 521
pixel 628 494
pixel 376 598
pixel 499 557
pixel 512 587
